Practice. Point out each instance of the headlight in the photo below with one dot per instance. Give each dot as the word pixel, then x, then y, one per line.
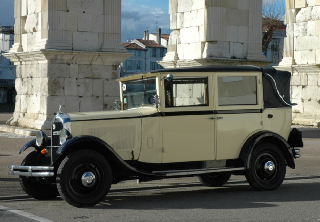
pixel 41 138
pixel 64 136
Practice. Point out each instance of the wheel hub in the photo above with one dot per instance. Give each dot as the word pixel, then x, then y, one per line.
pixel 88 179
pixel 269 167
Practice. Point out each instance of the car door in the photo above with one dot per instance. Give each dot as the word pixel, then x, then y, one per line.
pixel 238 108
pixel 187 126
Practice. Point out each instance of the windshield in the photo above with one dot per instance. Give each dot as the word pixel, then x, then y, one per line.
pixel 138 93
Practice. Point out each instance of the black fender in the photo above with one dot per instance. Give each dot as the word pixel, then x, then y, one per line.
pixel 267 137
pixel 96 144
pixel 31 143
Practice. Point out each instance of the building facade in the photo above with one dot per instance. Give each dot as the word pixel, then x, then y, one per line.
pixel 146 54
pixel 274 53
pixel 7 68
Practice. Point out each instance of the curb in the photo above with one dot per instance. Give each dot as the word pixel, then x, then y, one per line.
pixel 18 130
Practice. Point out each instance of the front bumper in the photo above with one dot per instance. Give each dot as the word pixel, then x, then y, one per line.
pixel 31 171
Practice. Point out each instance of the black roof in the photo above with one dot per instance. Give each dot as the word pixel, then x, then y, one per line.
pixel 216 68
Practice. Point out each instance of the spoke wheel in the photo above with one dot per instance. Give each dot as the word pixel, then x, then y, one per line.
pixel 267 167
pixel 37 187
pixel 214 179
pixel 84 178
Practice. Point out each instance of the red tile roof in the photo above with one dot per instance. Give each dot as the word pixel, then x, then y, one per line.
pixel 163 36
pixel 129 45
pixel 150 43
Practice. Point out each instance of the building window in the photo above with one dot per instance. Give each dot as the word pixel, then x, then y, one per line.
pixel 139 65
pixel 162 52
pixel 153 52
pixel 129 63
pixel 138 53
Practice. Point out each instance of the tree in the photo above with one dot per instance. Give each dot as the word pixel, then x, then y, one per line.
pixel 273 12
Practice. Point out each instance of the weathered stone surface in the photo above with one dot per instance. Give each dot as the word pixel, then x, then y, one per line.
pixel 88 104
pixel 300 3
pixel 85 41
pixel 56 86
pixel 304 15
pixel 110 88
pixel 84 87
pixel 85 22
pixel 214 29
pixel 85 6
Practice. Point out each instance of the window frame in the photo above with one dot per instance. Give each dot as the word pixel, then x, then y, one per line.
pixel 239 107
pixel 210 91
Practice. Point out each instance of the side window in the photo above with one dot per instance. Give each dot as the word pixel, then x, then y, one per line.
pixel 186 92
pixel 237 90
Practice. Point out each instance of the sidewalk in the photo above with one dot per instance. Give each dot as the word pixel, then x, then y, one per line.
pixel 4 117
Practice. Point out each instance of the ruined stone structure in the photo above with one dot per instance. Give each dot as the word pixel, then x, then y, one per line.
pixel 67 53
pixel 215 32
pixel 302 58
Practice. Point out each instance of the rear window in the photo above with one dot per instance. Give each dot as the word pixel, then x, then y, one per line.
pixel 237 90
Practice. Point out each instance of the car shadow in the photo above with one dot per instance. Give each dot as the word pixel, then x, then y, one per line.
pixel 227 197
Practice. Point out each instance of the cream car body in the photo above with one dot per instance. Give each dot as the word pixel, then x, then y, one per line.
pixel 201 121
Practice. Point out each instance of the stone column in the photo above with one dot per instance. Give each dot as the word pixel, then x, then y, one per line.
pixel 112 33
pixel 255 31
pixel 63 57
pixel 288 54
pixel 17 46
pixel 302 58
pixel 215 32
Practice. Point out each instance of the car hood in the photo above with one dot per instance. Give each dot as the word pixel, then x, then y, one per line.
pixel 117 114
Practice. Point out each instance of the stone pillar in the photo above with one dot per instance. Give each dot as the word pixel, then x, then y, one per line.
pixel 67 53
pixel 302 58
pixel 215 32
pixel 255 33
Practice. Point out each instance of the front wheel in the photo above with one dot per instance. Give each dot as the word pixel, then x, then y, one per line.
pixel 84 178
pixel 37 188
pixel 267 167
pixel 214 179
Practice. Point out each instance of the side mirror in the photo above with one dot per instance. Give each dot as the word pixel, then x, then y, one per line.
pixel 117 105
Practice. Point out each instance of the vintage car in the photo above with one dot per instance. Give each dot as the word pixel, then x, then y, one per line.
pixel 209 122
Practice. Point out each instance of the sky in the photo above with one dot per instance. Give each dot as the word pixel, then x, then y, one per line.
pixel 137 16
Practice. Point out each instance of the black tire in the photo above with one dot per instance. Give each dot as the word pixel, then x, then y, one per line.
pixel 261 175
pixel 37 187
pixel 77 191
pixel 214 179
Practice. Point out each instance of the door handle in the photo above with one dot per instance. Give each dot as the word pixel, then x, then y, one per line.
pixel 219 117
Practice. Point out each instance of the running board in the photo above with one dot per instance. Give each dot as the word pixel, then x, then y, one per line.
pixel 172 173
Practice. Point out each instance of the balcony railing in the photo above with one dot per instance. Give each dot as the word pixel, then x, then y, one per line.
pixel 6 82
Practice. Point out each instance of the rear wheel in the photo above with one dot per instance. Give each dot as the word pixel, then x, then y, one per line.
pixel 35 187
pixel 214 179
pixel 84 178
pixel 267 167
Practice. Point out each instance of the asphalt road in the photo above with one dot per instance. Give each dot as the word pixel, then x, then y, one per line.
pixel 297 199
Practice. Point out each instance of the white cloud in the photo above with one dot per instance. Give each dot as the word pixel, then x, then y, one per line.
pixel 138 18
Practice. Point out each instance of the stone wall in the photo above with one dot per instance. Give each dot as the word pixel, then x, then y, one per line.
pixel 208 30
pixel 302 58
pixel 67 53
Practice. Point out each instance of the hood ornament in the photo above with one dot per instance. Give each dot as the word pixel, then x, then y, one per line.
pixel 59 109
